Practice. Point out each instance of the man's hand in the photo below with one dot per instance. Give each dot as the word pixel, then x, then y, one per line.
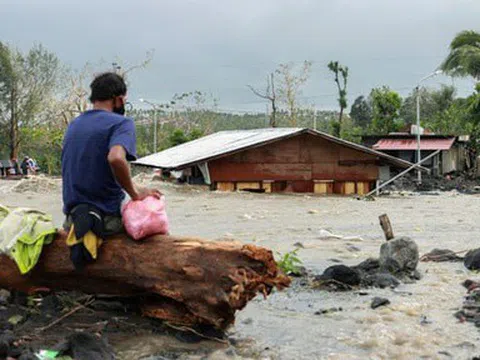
pixel 143 192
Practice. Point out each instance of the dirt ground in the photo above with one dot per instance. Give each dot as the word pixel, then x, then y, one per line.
pixel 419 323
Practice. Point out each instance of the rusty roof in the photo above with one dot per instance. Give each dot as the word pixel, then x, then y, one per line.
pixel 226 143
pixel 411 144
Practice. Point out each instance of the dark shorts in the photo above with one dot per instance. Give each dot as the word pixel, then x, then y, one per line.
pixel 113 225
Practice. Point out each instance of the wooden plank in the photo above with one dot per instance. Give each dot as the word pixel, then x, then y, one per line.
pixel 361 188
pixel 349 188
pixel 267 186
pixel 320 188
pixel 323 186
pixel 224 171
pixel 386 226
pixel 225 186
pixel 248 185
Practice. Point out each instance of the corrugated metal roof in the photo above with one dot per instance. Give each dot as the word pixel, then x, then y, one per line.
pixel 411 144
pixel 224 143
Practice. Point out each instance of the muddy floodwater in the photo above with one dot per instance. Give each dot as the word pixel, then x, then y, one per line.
pixel 419 322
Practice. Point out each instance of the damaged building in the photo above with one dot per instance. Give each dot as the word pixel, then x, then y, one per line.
pixel 452 155
pixel 277 160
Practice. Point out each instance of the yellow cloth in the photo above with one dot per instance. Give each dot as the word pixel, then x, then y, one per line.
pixel 23 233
pixel 91 241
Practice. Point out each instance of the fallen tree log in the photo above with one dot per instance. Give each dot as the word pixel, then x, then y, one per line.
pixel 185 281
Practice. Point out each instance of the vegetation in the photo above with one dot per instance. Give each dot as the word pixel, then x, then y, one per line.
pixel 39 97
pixel 290 264
pixel 464 57
pixel 340 71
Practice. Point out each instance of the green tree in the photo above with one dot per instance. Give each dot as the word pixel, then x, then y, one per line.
pixel 386 105
pixel 361 112
pixel 27 81
pixel 340 71
pixel 433 105
pixel 464 57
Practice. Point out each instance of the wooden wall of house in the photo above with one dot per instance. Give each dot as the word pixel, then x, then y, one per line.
pixel 301 158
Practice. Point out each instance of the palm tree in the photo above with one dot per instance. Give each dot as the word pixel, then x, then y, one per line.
pixel 464 57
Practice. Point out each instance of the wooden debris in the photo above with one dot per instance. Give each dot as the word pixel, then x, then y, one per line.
pixel 185 281
pixel 386 226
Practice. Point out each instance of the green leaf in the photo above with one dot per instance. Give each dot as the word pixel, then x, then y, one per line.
pixel 15 319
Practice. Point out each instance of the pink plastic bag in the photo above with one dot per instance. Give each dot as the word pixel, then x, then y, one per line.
pixel 145 217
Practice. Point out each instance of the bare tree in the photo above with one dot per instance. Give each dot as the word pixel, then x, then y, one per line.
pixel 269 95
pixel 290 84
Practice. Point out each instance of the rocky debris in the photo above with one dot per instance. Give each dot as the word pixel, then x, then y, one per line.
pixel 397 262
pixel 461 182
pixel 381 280
pixel 441 255
pixel 378 301
pixel 470 310
pixel 368 267
pixel 39 184
pixel 472 259
pixel 342 274
pixel 328 311
pixel 399 256
pixel 5 296
pixel 84 346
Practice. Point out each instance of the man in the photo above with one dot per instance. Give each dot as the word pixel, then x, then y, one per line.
pixel 97 147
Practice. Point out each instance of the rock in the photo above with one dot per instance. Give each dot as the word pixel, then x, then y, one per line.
pixel 381 280
pixel 28 355
pixel 328 311
pixel 416 275
pixel 399 255
pixel 247 321
pixel 6 341
pixel 341 273
pixel 301 272
pixel 378 301
pixel 4 296
pixel 83 346
pixel 472 260
pixel 369 266
pixel 353 248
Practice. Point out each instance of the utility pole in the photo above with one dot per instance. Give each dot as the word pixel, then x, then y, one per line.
pixel 419 153
pixel 155 120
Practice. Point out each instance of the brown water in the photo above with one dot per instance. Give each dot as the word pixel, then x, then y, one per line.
pixel 419 323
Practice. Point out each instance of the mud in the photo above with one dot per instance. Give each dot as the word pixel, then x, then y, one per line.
pixel 418 322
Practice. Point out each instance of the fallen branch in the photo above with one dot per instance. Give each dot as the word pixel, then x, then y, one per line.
pixel 70 313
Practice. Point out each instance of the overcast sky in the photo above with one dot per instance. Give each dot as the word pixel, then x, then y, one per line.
pixel 220 46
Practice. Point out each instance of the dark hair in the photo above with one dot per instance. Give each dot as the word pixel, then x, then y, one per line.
pixel 107 86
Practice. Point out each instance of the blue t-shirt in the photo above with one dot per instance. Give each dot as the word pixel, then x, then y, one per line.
pixel 87 176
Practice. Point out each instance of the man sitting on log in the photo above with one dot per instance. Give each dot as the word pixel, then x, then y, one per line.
pixel 96 174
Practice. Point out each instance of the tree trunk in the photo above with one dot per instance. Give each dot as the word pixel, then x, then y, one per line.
pixel 13 126
pixel 184 281
pixel 273 116
pixel 340 118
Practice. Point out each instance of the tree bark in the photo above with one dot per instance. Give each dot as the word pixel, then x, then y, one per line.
pixel 386 227
pixel 340 117
pixel 184 281
pixel 13 125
